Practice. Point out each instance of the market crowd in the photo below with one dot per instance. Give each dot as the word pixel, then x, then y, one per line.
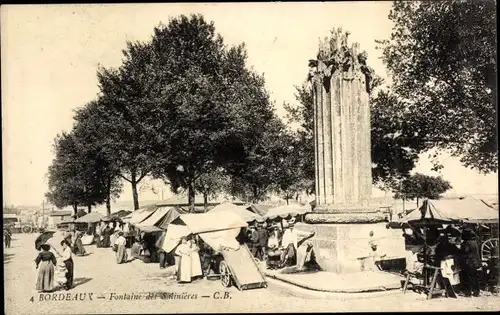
pixel 458 257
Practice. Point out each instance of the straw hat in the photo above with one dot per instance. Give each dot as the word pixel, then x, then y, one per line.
pixel 264 225
pixel 291 221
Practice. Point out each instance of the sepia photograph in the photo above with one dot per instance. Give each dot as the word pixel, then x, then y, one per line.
pixel 247 157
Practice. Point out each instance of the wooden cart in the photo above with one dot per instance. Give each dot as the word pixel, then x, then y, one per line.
pixel 240 268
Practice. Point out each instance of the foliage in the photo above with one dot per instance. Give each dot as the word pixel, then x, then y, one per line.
pixel 73 179
pixel 421 186
pixel 442 58
pixel 91 129
pixel 212 108
pixel 264 168
pixel 394 151
pixel 212 183
pixel 130 114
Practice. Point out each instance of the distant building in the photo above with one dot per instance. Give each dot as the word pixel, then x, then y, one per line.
pixel 56 217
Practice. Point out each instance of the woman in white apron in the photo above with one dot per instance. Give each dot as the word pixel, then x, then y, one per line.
pixel 195 259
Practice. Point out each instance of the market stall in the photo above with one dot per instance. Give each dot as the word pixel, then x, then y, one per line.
pixel 152 228
pixel 117 216
pixel 240 211
pixel 286 211
pixel 219 230
pixel 88 224
pixel 437 217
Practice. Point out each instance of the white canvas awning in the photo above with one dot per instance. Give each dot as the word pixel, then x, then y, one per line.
pixel 240 211
pixel 215 229
pixel 285 211
pixel 469 210
pixel 140 215
pixel 92 217
pixel 154 218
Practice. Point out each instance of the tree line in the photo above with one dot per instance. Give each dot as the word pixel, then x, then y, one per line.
pixel 185 107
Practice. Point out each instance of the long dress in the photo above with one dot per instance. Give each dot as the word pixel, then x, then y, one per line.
pixel 60 273
pixel 184 268
pixel 195 261
pixel 113 238
pixel 79 249
pixel 121 252
pixel 45 263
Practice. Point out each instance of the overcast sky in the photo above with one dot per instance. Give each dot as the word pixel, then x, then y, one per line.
pixel 50 55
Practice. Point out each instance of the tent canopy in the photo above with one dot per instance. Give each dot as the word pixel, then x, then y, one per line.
pixel 151 223
pixel 260 209
pixel 116 216
pixel 80 213
pixel 216 229
pixel 140 215
pixel 90 218
pixel 171 215
pixel 450 210
pixel 285 211
pixel 212 221
pixel 240 211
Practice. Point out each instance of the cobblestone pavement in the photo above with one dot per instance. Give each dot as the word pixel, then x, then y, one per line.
pixel 98 275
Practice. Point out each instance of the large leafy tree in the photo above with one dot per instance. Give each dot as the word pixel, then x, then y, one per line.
pixel 131 114
pixel 420 186
pixel 442 59
pixel 73 179
pixel 263 168
pixel 211 106
pixel 91 129
pixel 211 184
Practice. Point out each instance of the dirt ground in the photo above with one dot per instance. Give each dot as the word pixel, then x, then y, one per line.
pixel 103 287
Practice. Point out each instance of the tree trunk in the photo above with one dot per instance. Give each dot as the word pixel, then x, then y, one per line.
pixel 108 197
pixel 75 208
pixel 191 196
pixel 417 202
pixel 133 181
pixel 286 198
pixel 89 208
pixel 205 201
pixel 255 194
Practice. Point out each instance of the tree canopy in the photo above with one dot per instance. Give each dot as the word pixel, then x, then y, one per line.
pixel 441 56
pixel 213 107
pixel 394 151
pixel 421 186
pixel 73 178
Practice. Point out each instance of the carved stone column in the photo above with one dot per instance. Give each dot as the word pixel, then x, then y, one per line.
pixel 344 216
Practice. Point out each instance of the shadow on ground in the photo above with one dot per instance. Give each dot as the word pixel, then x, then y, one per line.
pixel 7 258
pixel 80 281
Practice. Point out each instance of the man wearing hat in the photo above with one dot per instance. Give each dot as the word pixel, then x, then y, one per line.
pixel 470 262
pixel 290 242
pixel 254 239
pixel 263 238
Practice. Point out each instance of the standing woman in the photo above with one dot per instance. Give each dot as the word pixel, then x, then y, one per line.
pixel 195 259
pixel 79 249
pixel 67 257
pixel 45 262
pixel 121 250
pixel 184 269
pixel 8 236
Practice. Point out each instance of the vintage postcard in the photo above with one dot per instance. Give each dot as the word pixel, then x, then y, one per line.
pixel 250 157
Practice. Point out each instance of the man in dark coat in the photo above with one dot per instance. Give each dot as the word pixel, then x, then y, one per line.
pixel 263 238
pixel 7 236
pixel 470 262
pixel 254 238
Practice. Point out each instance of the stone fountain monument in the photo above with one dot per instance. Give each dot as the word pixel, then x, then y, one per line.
pixel 345 212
